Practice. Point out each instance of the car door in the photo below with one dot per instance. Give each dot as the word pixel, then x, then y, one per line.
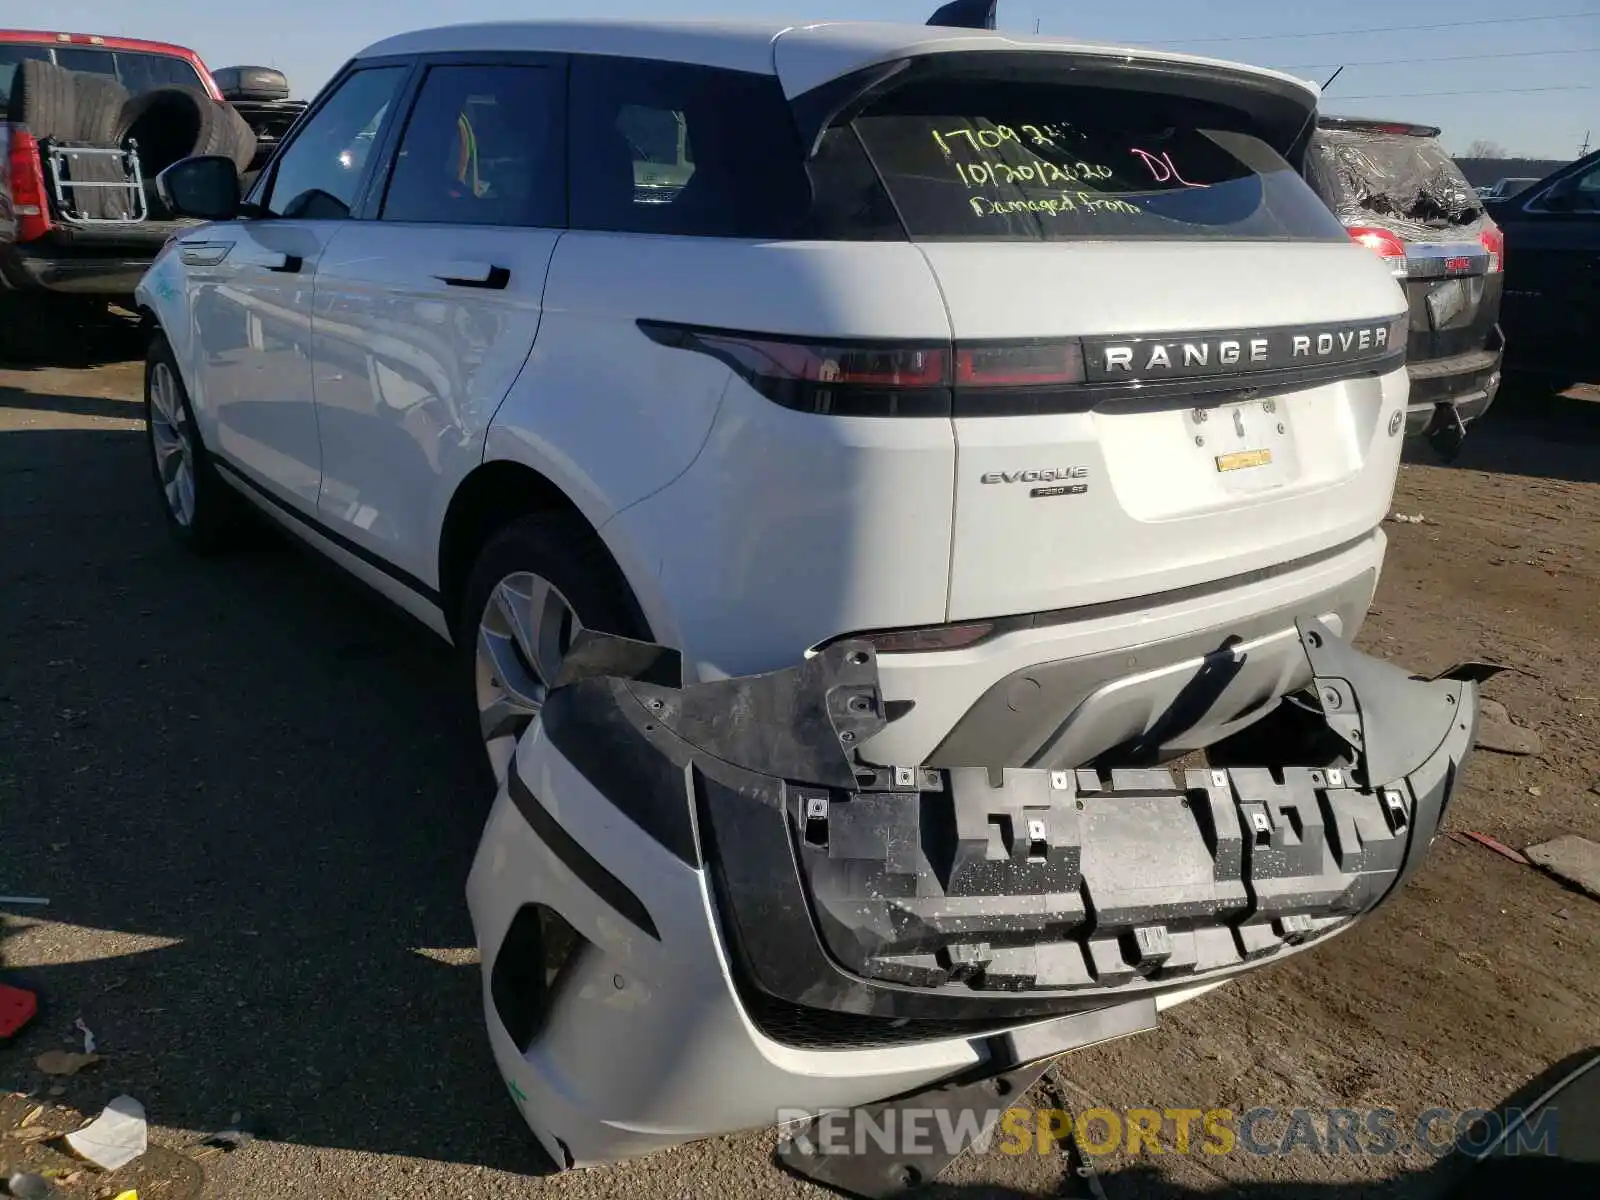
pixel 251 283
pixel 427 309
pixel 1551 311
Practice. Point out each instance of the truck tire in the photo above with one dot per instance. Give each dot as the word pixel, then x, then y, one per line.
pixel 232 136
pixel 173 123
pixel 98 100
pixel 44 100
pixel 166 122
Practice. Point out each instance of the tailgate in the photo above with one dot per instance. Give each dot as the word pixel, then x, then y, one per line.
pixel 1173 365
pixel 1453 296
pixel 1173 482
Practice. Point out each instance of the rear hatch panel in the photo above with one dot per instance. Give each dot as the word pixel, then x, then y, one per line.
pixel 1236 356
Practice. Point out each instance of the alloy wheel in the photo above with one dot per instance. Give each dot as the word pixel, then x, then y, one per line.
pixel 524 632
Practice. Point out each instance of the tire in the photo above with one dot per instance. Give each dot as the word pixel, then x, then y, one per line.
pixel 98 101
pixel 232 137
pixel 174 123
pixel 43 99
pixel 207 522
pixel 562 551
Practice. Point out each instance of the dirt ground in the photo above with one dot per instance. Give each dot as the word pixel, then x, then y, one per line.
pixel 234 783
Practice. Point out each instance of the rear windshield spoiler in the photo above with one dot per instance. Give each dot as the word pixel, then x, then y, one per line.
pixel 1283 111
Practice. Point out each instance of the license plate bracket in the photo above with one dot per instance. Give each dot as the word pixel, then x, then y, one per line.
pixel 1245 444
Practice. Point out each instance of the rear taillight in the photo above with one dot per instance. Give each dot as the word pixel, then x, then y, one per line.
pixel 887 378
pixel 1494 241
pixel 29 201
pixel 844 366
pixel 1022 364
pixel 1382 243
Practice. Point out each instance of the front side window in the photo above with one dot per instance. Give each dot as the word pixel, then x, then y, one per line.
pixel 483 146
pixel 1575 194
pixel 320 172
pixel 671 148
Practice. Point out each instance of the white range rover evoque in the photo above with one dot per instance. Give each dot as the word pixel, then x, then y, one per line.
pixel 977 422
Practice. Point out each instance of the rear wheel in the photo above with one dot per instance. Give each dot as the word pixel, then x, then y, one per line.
pixel 537 583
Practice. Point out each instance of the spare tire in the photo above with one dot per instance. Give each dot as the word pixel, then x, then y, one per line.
pixel 98 100
pixel 173 123
pixel 44 100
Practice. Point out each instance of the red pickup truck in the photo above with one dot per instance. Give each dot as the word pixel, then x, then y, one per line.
pixel 85 124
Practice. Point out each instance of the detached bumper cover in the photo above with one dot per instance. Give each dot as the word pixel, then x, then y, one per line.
pixel 702 889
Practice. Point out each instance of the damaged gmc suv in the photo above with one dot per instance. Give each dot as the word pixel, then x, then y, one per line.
pixel 857 463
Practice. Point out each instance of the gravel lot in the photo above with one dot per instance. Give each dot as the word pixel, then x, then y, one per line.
pixel 242 789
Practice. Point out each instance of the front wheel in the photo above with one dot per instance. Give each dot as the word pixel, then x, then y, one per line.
pixel 538 582
pixel 200 509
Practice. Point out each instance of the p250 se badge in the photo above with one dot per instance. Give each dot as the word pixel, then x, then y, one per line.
pixel 1050 481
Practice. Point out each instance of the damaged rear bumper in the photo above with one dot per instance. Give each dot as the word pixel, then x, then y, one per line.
pixel 741 889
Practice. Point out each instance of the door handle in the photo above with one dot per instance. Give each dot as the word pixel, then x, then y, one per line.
pixel 473 274
pixel 288 264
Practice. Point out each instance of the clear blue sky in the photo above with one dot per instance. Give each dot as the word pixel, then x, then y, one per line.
pixel 308 39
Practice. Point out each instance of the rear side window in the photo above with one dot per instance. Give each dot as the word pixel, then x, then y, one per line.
pixel 670 148
pixel 483 147
pixel 998 160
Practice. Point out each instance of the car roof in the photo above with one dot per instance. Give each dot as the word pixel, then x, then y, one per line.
pixel 815 52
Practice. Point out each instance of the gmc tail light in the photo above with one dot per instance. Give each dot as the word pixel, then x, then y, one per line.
pixel 29 201
pixel 1494 241
pixel 1382 243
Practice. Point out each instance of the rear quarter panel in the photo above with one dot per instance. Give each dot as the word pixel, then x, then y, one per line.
pixel 626 426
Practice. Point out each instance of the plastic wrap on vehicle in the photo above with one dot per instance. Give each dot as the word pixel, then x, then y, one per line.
pixel 1407 185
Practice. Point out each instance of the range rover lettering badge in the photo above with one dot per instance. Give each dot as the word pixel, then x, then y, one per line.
pixel 1244 351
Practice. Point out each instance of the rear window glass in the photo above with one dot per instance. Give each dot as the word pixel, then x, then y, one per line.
pixel 1390 178
pixel 1031 162
pixel 10 56
pixel 142 72
pixel 138 71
